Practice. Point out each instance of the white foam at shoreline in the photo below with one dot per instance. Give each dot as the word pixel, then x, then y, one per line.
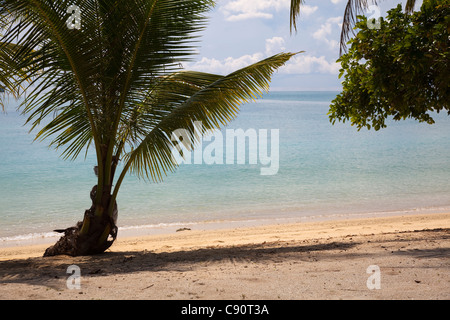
pixel 30 236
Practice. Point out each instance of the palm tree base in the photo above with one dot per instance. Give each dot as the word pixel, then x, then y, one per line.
pixel 76 242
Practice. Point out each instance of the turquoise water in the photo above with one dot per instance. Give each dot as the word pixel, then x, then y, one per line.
pixel 323 170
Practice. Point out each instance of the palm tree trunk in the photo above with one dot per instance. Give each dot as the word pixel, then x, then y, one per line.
pixel 95 234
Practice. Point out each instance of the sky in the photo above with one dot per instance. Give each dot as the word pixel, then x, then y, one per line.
pixel 242 32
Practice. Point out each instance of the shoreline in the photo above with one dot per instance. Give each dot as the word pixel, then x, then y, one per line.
pixel 318 228
pixel 309 260
pixel 49 238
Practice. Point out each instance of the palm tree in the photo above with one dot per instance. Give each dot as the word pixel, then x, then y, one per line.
pixel 117 85
pixel 352 10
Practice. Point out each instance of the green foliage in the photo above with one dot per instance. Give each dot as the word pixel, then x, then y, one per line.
pixel 401 70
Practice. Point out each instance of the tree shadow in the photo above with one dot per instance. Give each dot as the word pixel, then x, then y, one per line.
pixel 51 271
pixel 425 253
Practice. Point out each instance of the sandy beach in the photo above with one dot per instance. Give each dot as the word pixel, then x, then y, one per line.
pixel 399 257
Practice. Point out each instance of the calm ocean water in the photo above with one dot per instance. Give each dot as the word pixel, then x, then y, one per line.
pixel 324 170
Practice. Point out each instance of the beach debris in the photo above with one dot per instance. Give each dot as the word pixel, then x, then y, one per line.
pixel 183 229
pixel 148 287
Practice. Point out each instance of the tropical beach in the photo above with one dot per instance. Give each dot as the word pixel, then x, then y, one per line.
pixel 315 260
pixel 179 178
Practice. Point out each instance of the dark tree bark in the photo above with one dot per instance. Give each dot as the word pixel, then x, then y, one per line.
pixel 74 242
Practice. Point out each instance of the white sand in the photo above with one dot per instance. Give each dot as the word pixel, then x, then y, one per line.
pixel 318 260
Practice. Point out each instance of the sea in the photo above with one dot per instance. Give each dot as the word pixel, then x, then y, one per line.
pixel 314 170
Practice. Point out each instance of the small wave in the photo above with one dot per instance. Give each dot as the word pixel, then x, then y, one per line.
pixel 30 236
pixel 157 226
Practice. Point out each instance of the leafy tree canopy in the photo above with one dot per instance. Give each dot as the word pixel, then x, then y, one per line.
pixel 399 70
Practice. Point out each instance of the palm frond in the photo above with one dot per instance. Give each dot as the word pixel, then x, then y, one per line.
pixel 122 47
pixel 73 131
pixel 58 62
pixel 164 40
pixel 211 99
pixel 295 13
pixel 409 7
pixel 352 10
pixel 11 77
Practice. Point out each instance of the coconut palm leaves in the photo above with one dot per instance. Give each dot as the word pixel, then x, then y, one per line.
pixel 352 10
pixel 182 98
pixel 295 12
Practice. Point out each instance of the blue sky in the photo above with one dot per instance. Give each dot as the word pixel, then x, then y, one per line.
pixel 241 32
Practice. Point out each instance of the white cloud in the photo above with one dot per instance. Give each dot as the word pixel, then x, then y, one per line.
pixel 256 5
pixel 242 32
pixel 303 64
pixel 236 10
pixel 308 10
pixel 225 66
pixel 249 15
pixel 326 29
pixel 274 45
pixel 300 64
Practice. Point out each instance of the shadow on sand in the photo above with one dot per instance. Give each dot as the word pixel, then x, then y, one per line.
pixel 51 270
pixel 44 271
